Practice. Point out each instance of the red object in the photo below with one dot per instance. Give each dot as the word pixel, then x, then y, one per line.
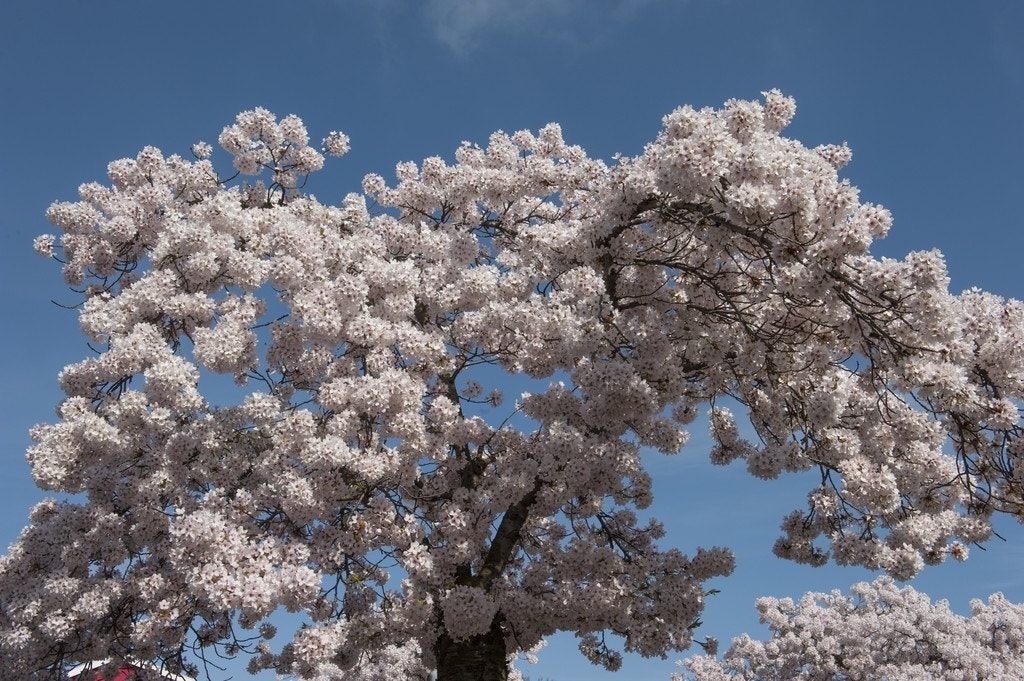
pixel 124 674
pixel 88 672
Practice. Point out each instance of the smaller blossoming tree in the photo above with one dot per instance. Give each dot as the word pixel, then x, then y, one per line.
pixel 879 631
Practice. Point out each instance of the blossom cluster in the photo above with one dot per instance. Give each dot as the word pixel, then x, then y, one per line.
pixel 359 475
pixel 879 631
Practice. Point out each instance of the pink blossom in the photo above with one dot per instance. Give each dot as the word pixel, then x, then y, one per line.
pixel 365 471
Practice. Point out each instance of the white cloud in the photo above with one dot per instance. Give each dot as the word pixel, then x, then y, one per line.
pixel 463 25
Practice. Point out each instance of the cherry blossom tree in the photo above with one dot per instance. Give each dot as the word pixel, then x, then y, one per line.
pixel 880 631
pixel 372 477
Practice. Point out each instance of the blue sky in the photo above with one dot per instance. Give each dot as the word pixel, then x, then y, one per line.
pixel 928 95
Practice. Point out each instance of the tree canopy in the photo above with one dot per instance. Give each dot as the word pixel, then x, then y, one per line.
pixel 373 477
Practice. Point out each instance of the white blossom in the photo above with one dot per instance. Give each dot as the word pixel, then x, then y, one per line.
pixel 878 631
pixel 726 269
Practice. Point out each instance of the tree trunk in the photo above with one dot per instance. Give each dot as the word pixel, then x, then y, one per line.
pixel 479 658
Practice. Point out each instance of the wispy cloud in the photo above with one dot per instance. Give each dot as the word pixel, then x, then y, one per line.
pixel 464 25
